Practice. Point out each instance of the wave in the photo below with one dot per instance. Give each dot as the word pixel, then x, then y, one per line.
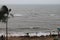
pixel 18 15
pixel 30 34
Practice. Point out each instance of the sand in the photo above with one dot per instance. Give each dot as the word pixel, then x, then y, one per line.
pixel 30 38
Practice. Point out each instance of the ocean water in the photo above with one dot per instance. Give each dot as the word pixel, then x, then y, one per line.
pixel 32 18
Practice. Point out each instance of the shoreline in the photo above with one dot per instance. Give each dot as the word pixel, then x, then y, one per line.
pixel 30 34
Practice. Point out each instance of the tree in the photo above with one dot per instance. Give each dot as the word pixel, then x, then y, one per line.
pixel 4 13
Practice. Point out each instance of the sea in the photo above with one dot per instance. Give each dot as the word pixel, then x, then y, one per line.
pixel 35 19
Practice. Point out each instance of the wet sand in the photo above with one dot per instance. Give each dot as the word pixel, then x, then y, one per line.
pixel 30 38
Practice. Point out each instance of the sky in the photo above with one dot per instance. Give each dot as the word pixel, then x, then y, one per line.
pixel 29 1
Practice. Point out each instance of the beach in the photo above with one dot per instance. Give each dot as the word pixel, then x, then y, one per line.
pixel 36 20
pixel 31 38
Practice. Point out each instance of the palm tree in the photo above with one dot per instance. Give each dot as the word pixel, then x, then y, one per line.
pixel 4 13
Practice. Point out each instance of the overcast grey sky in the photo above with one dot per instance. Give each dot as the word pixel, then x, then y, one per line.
pixel 29 1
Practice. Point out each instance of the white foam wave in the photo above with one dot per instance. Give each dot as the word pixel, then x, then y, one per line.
pixel 30 34
pixel 18 15
pixel 52 14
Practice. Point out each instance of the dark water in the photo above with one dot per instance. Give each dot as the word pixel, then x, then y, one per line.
pixel 44 17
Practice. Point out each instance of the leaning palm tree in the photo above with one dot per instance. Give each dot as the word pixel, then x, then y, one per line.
pixel 4 13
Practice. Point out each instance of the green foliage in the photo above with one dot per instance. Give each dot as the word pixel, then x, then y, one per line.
pixel 4 14
pixel 58 29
